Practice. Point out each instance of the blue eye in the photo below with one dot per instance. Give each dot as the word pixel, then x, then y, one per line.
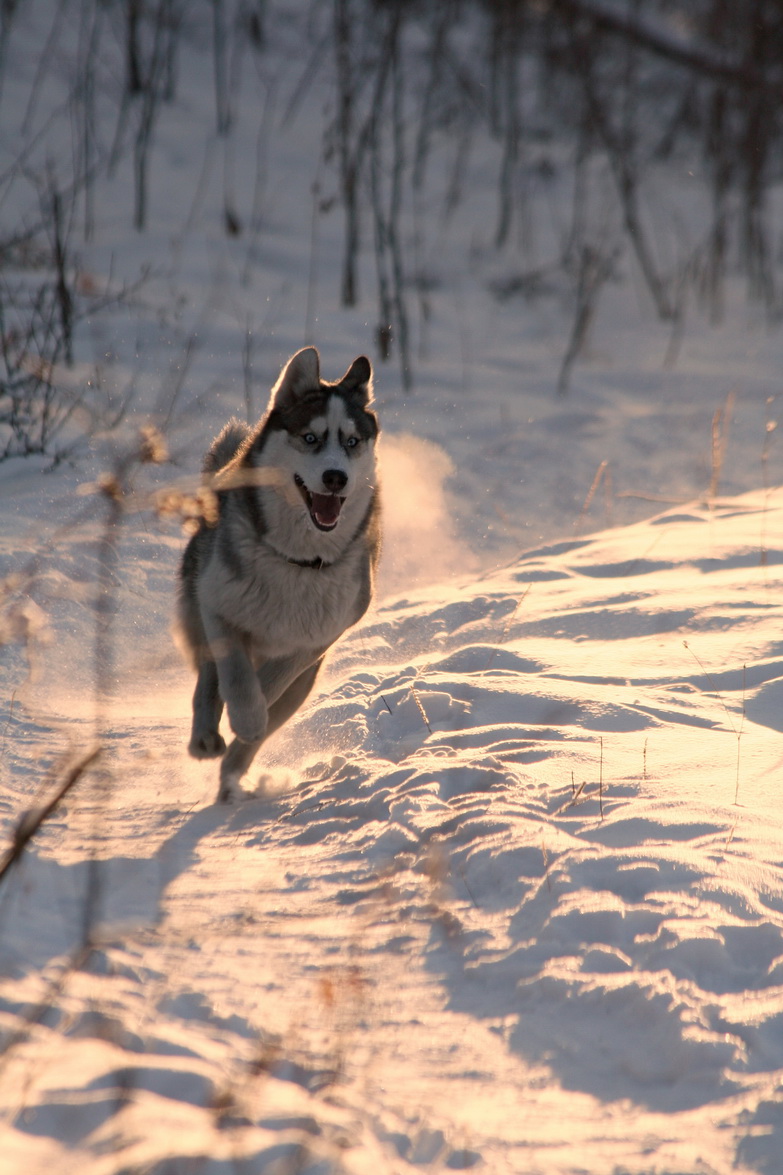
pixel 351 442
pixel 310 438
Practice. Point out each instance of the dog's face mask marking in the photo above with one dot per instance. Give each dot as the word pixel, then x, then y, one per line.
pixel 322 444
pixel 334 458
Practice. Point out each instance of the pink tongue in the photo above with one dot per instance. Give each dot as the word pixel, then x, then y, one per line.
pixel 326 508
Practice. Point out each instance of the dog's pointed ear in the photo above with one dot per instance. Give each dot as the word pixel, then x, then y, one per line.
pixel 357 380
pixel 302 373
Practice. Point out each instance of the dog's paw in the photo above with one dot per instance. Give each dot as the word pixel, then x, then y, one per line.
pixel 231 791
pixel 208 744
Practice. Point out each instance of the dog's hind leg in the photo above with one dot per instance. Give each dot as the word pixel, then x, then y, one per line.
pixel 240 755
pixel 292 698
pixel 206 742
pixel 235 763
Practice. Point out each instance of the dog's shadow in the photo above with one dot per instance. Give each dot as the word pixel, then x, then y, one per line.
pixel 217 821
pixel 51 909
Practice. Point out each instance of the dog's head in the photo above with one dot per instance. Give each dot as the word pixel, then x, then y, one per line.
pixel 321 439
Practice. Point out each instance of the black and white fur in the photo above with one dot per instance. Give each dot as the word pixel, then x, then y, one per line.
pixel 289 564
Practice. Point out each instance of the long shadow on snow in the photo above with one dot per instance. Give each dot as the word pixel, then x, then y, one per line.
pixel 585 970
pixel 48 909
pixel 610 1030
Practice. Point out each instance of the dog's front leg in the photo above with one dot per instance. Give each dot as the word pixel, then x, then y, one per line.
pixel 237 681
pixel 206 742
pixel 285 683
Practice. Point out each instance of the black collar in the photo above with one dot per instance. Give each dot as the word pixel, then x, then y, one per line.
pixel 317 564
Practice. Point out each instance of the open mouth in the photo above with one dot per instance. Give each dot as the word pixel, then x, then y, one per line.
pixel 324 508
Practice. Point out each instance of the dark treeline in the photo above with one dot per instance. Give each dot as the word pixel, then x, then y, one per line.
pixel 559 91
pixel 633 84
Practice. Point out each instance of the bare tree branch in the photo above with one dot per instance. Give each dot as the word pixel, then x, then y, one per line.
pixel 33 820
pixel 703 59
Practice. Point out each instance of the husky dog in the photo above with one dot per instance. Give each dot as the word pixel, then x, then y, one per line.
pixel 289 563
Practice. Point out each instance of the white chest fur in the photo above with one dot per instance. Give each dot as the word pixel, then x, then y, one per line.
pixel 282 608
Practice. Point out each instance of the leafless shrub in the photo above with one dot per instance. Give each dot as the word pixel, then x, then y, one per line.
pixel 582 71
pixel 48 404
pixel 595 267
pixel 351 135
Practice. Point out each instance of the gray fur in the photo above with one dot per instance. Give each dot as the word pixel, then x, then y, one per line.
pixel 290 563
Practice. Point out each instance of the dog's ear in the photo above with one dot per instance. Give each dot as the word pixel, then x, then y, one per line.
pixel 357 380
pixel 302 373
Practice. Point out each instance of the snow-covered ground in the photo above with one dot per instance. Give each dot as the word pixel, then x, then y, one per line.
pixel 509 896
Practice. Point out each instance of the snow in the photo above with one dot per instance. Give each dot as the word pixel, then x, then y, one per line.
pixel 508 895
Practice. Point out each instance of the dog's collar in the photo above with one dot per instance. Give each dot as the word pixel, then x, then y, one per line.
pixel 317 564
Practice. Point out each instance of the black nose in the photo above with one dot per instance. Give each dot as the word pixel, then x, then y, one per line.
pixel 334 480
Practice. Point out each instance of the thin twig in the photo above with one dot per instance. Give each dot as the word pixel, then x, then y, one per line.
pixel 471 895
pixel 739 732
pixel 422 711
pixel 712 682
pixel 769 429
pixel 546 864
pixel 601 474
pixel 507 625
pixel 720 436
pixel 662 42
pixel 575 794
pixel 32 820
